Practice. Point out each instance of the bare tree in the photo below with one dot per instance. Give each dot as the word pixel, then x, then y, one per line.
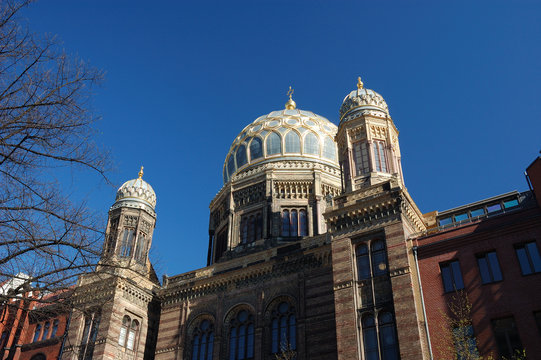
pixel 46 130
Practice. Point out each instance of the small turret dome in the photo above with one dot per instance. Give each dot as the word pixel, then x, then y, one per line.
pixel 136 193
pixel 289 134
pixel 363 100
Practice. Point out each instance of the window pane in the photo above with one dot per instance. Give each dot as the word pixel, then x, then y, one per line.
pixel 210 346
pixel 447 278
pixel 203 347
pixel 250 342
pixel 363 267
pixel 242 341
pixel 510 203
pixel 38 332
pixel 294 223
pixel 383 155
pixel 329 149
pixel 283 333
pixel 292 333
pixel 195 349
pixel 285 223
pixel 293 142
pixel 303 223
pixel 122 336
pixel 524 262
pixel 461 217
pixel 388 342
pixel 45 330
pixel 446 221
pixel 457 275
pixel 241 156
pixel 233 344
pixel 477 212
pixel 377 157
pixel 494 266
pixel 534 256
pixel 131 340
pixel 55 328
pixel 274 347
pixel 379 263
pixel 311 144
pixel 483 269
pixel 493 208
pixel 231 165
pixel 506 335
pixel 256 149
pixel 274 144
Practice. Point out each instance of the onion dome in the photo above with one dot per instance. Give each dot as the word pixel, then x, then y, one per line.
pixel 363 100
pixel 136 193
pixel 289 134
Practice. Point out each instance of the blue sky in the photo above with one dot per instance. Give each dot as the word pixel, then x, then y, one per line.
pixel 183 78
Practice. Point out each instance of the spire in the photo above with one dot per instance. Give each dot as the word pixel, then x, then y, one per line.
pixel 141 173
pixel 290 104
pixel 359 83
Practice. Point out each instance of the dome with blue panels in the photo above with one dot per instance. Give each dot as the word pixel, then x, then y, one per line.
pixel 136 193
pixel 289 134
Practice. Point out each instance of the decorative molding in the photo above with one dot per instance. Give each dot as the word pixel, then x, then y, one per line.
pixel 293 189
pixel 343 285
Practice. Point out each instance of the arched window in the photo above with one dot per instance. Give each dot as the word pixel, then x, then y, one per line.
pixel 283 328
pixel 380 156
pixel 329 149
pixel 126 247
pixel 46 330
pixel 256 149
pixel 128 333
pixel 90 333
pixel 241 336
pixel 203 341
pixel 311 144
pixel 363 262
pixel 55 328
pixel 370 338
pixel 37 333
pixel 294 223
pixel 360 158
pixel 274 144
pixel 303 223
pixel 231 166
pixel 293 142
pixel 241 156
pixel 387 336
pixel 285 223
pixel 141 248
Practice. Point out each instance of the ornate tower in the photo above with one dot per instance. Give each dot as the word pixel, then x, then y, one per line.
pixel 367 140
pixel 132 219
pixel 371 225
pixel 116 312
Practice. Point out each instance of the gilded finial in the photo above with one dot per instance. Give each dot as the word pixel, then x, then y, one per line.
pixel 359 83
pixel 290 104
pixel 141 173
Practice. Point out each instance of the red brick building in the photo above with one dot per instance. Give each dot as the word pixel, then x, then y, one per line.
pixel 32 327
pixel 487 251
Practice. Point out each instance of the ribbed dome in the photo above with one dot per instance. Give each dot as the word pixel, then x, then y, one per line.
pixel 363 99
pixel 290 134
pixel 136 193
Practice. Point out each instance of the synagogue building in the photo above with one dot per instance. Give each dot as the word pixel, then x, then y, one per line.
pixel 316 250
